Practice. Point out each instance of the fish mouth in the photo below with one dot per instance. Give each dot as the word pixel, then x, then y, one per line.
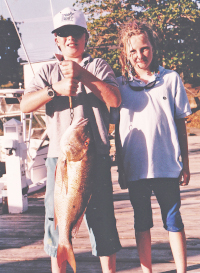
pixel 80 122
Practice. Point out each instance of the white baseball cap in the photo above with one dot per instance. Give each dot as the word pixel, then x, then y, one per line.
pixel 69 16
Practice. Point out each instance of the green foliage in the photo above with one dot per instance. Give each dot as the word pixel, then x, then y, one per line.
pixel 9 44
pixel 177 23
pixel 104 19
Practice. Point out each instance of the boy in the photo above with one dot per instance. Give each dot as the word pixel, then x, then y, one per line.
pixel 91 85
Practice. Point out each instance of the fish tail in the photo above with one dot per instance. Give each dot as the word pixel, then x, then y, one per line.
pixel 64 253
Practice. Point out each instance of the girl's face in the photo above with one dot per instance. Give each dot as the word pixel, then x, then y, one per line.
pixel 140 52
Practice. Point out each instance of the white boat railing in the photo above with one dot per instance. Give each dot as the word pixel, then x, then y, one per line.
pixel 36 148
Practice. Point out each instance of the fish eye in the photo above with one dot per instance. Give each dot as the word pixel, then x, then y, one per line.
pixel 87 141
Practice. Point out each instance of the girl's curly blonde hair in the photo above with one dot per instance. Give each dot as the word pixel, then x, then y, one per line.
pixel 129 29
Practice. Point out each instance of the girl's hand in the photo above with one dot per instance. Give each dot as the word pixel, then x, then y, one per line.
pixel 184 177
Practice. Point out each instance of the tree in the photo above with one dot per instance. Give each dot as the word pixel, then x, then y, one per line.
pixel 9 45
pixel 104 19
pixel 176 21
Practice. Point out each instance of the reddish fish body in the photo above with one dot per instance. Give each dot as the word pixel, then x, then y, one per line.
pixel 73 186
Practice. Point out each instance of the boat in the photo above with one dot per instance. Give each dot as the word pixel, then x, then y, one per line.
pixel 34 141
pixel 24 150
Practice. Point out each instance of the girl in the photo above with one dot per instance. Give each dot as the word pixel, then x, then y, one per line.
pixel 153 137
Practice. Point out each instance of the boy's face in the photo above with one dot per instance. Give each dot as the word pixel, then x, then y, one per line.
pixel 71 41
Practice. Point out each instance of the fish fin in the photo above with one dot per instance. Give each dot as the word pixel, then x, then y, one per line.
pixel 63 170
pixel 78 223
pixel 60 168
pixel 55 219
pixel 77 226
pixel 56 171
pixel 66 254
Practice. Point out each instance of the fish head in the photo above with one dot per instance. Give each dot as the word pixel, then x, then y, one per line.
pixel 77 141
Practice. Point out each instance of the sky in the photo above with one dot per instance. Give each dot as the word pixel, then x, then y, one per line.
pixel 35 25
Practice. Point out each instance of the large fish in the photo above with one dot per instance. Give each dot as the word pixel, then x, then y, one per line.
pixel 73 185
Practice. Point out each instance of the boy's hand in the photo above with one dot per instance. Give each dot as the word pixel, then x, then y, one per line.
pixel 66 87
pixel 71 69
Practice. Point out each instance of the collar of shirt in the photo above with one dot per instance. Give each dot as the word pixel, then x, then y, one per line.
pixel 133 81
pixel 86 58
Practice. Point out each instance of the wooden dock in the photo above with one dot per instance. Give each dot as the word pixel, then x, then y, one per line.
pixel 21 235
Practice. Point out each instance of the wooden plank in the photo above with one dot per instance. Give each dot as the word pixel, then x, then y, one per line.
pixel 43 266
pixel 21 235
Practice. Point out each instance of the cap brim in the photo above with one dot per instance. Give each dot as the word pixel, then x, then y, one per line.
pixel 67 26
